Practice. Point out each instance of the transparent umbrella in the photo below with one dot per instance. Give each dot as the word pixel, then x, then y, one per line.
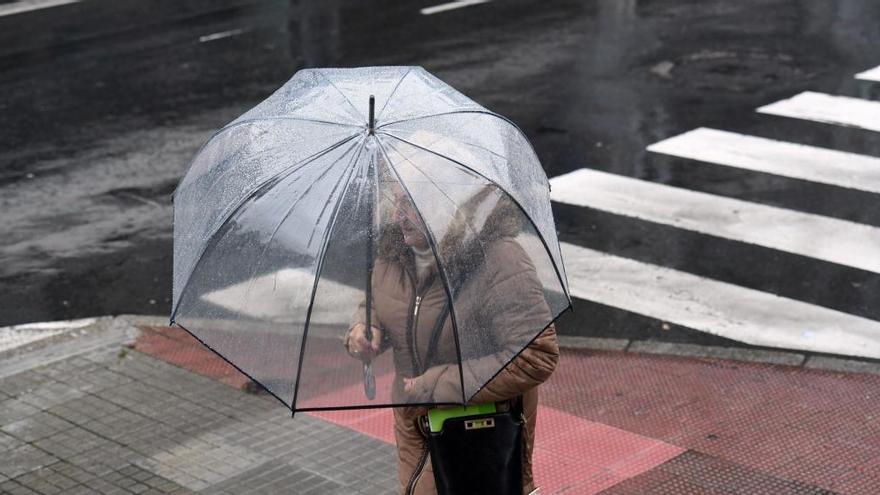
pixel 379 197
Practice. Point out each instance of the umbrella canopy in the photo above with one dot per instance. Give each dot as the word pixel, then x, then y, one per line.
pixel 285 215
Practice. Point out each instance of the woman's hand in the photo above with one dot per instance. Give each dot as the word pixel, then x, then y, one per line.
pixel 359 346
pixel 416 390
pixel 409 384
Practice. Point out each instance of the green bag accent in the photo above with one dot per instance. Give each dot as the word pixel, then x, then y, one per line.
pixel 437 416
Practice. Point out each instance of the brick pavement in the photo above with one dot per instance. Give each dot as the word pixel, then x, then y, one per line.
pixel 748 427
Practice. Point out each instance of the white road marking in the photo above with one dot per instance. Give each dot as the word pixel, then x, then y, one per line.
pixel 268 298
pixel 798 161
pixel 436 9
pixel 719 308
pixel 218 36
pixel 829 109
pixel 30 5
pixel 830 239
pixel 19 335
pixel 870 75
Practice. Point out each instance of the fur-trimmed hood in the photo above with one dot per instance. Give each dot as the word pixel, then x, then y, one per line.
pixel 485 217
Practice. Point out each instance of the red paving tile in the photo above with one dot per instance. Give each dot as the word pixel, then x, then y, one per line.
pixel 803 425
pixel 596 455
pixel 609 416
pixel 862 479
pixel 177 347
pixel 569 451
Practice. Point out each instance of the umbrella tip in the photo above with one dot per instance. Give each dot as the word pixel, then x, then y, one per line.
pixel 372 114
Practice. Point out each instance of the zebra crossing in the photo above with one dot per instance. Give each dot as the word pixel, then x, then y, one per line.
pixel 721 308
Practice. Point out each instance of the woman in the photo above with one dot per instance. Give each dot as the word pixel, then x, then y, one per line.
pixel 410 315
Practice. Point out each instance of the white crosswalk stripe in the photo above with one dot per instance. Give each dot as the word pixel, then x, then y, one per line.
pixel 22 6
pixel 718 308
pixel 870 75
pixel 436 9
pixel 829 239
pixel 829 109
pixel 797 161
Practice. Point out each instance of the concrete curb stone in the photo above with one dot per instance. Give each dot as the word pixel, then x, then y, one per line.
pixel 732 353
pixel 783 358
pixel 838 364
pixel 595 343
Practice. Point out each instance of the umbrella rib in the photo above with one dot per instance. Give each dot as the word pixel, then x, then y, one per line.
pixel 259 260
pixel 560 270
pixel 324 242
pixel 459 141
pixel 298 119
pixel 331 83
pixel 525 138
pixel 561 267
pixel 437 186
pixel 432 242
pixel 217 181
pixel 391 95
pixel 229 361
pixel 512 198
pixel 570 307
pixel 251 121
pixel 451 112
pixel 280 175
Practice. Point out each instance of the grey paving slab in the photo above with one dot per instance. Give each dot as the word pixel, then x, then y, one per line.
pixel 24 459
pixel 275 476
pixel 12 487
pixel 36 426
pixel 12 410
pixel 110 422
pixel 50 394
pixel 73 441
pixel 21 383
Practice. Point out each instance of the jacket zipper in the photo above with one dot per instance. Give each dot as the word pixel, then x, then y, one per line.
pixel 420 468
pixel 414 329
pixel 414 325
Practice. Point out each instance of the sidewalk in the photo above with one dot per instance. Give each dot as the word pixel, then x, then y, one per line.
pixel 82 413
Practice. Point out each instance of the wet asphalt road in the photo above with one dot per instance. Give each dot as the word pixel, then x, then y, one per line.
pixel 104 102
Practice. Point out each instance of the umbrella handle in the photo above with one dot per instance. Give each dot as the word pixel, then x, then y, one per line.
pixel 369 378
pixel 369 381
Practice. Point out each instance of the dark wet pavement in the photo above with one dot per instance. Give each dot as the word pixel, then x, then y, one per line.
pixel 104 102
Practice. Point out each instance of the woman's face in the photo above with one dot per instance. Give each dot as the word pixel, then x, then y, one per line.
pixel 408 221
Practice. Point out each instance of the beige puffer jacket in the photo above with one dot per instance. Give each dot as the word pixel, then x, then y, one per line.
pixel 407 314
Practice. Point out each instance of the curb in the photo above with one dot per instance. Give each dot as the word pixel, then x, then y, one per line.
pixel 64 339
pixel 766 356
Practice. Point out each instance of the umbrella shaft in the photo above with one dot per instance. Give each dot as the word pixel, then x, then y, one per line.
pixel 372 113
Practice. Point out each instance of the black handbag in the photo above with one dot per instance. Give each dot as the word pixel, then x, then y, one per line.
pixel 479 454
